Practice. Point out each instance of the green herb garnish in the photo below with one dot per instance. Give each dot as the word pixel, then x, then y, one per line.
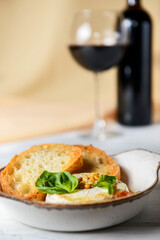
pixel 64 182
pixel 106 182
pixel 56 183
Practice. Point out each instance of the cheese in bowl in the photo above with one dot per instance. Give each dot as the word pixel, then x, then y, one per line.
pixel 82 188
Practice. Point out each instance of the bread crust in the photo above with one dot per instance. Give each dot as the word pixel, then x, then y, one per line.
pixel 96 160
pixel 7 177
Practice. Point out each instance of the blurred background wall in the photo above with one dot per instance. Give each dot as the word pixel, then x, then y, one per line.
pixel 35 62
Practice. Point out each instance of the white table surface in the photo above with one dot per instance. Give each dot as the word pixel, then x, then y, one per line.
pixel 144 226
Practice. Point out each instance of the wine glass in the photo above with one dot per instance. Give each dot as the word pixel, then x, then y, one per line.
pixel 97 42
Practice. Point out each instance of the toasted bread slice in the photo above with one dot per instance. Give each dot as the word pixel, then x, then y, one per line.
pixel 96 160
pixel 20 175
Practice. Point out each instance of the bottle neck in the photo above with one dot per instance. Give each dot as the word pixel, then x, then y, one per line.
pixel 133 3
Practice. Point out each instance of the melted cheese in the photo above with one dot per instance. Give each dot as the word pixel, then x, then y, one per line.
pixel 84 196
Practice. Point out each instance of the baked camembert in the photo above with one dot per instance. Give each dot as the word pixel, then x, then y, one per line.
pixel 82 188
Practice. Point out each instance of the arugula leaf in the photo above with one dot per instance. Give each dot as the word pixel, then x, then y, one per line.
pixel 106 182
pixel 56 183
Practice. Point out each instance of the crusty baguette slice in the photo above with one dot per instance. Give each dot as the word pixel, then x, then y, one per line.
pixel 20 175
pixel 96 160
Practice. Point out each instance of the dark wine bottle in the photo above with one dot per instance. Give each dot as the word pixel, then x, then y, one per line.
pixel 134 71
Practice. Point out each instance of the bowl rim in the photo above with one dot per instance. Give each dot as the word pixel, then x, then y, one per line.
pixel 104 204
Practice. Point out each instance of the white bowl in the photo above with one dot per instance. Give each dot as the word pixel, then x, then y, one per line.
pixel 139 170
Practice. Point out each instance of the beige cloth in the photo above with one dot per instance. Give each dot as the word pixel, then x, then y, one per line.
pixel 35 61
pixel 21 118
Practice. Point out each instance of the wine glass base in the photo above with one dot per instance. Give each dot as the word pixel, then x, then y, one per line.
pixel 100 131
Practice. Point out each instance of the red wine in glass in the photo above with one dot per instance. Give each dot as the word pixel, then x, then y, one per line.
pixel 97 58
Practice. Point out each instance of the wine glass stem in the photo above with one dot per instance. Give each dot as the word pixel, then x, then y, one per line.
pixel 97 97
pixel 99 124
